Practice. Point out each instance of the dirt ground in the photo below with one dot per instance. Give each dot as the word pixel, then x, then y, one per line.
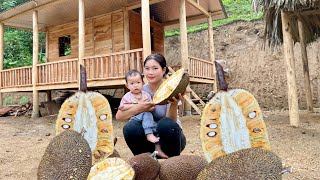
pixel 23 142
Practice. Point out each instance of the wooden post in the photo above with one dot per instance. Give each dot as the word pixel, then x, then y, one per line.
pixel 184 48
pixel 305 65
pixel 1 56
pixel 212 52
pixel 126 28
pixel 291 74
pixel 145 19
pixel 47 46
pixel 81 37
pixel 49 96
pixel 35 102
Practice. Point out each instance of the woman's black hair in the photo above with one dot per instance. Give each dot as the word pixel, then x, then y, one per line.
pixel 160 59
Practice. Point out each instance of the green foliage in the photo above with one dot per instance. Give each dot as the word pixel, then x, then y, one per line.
pixel 237 10
pixel 8 101
pixel 24 100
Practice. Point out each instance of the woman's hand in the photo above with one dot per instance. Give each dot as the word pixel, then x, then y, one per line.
pixel 174 100
pixel 123 115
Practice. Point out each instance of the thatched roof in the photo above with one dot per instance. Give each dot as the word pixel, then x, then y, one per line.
pixel 307 10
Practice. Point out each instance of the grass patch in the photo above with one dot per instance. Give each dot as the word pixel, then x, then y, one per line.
pixel 237 10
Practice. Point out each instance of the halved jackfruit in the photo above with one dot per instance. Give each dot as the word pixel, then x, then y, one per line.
pixel 232 121
pixel 111 168
pixel 171 87
pixel 90 114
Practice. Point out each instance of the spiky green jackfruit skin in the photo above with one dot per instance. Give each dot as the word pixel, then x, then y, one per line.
pixel 251 163
pixel 145 167
pixel 186 167
pixel 68 156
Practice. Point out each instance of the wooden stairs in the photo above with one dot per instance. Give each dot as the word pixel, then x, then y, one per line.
pixel 196 102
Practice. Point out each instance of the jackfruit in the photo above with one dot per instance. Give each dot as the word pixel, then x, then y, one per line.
pixel 252 163
pixel 186 167
pixel 90 114
pixel 111 169
pixel 171 87
pixel 232 121
pixel 68 156
pixel 145 167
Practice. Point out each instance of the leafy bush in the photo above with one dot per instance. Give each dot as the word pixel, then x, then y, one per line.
pixel 8 101
pixel 24 100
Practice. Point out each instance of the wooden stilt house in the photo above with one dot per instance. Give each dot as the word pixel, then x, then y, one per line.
pixel 108 37
pixel 288 22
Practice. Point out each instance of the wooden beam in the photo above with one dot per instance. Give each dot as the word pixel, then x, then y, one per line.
pixel 35 93
pixel 291 74
pixel 126 28
pixel 138 5
pixel 145 18
pixel 184 48
pixel 305 66
pixel 214 15
pixel 1 56
pixel 81 43
pixel 199 7
pixel 47 46
pixel 212 51
pixel 308 12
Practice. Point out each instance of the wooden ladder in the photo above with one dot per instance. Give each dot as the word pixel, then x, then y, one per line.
pixel 189 100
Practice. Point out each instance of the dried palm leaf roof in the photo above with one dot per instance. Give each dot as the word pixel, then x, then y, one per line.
pixel 306 10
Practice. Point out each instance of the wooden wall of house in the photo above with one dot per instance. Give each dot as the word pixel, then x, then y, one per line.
pixel 136 33
pixel 103 34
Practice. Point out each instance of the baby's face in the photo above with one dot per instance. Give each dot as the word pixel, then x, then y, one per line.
pixel 135 83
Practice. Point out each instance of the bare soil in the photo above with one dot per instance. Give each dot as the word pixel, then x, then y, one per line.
pixel 24 140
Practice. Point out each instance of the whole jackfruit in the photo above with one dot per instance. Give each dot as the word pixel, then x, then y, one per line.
pixel 252 163
pixel 186 167
pixel 145 167
pixel 68 156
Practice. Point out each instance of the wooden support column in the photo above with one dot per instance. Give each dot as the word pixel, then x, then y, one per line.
pixel 47 46
pixel 1 56
pixel 212 52
pixel 49 95
pixel 184 48
pixel 304 56
pixel 291 74
pixel 81 44
pixel 35 102
pixel 145 19
pixel 126 29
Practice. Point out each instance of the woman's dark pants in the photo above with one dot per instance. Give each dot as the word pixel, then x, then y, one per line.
pixel 172 139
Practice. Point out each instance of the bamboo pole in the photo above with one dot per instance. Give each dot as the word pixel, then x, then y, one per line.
pixel 81 38
pixel 291 74
pixel 184 48
pixel 212 51
pixel 35 110
pixel 1 56
pixel 145 18
pixel 304 56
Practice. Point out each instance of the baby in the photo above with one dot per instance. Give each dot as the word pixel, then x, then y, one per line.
pixel 134 82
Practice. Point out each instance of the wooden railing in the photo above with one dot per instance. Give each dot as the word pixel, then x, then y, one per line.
pixel 17 77
pixel 113 65
pixel 64 71
pixel 200 68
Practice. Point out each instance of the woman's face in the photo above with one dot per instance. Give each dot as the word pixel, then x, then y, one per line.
pixel 153 71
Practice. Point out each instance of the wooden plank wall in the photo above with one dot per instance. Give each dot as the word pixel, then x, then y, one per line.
pixel 104 34
pixel 136 33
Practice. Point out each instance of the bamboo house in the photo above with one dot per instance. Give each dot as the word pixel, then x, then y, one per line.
pixel 108 37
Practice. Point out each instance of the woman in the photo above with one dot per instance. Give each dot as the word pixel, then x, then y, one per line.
pixel 172 139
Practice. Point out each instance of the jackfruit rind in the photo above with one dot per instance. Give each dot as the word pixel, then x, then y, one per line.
pixel 111 168
pixel 232 121
pixel 68 156
pixel 90 114
pixel 186 167
pixel 252 163
pixel 171 87
pixel 145 167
